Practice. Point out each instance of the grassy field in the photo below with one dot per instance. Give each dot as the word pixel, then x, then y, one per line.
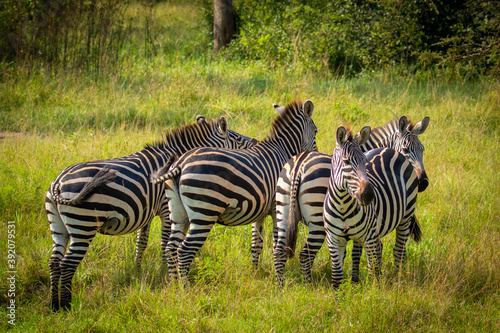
pixel 49 120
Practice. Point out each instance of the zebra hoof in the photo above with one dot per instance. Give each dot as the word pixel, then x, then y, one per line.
pixel 66 306
pixel 54 306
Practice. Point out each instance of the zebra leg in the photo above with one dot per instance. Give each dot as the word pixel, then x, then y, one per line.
pixel 60 239
pixel 196 237
pixel 399 251
pixel 171 255
pixel 166 228
pixel 141 242
pixel 373 250
pixel 275 227
pixel 79 244
pixel 257 242
pixel 357 251
pixel 337 254
pixel 279 251
pixel 315 240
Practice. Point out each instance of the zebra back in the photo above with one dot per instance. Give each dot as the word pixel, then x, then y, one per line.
pixel 77 182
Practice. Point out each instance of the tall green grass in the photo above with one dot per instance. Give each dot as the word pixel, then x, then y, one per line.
pixel 450 282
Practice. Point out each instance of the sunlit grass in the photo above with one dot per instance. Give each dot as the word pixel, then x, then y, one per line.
pixel 50 120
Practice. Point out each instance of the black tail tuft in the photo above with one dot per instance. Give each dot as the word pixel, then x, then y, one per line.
pixel 415 231
pixel 293 219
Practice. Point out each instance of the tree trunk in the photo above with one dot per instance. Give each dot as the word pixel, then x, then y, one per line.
pixel 224 23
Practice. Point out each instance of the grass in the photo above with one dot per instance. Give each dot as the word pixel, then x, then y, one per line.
pixel 50 120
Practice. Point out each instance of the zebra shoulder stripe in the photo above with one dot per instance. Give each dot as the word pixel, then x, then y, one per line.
pixel 104 176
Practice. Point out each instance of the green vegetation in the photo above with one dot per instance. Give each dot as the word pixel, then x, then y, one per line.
pixel 52 117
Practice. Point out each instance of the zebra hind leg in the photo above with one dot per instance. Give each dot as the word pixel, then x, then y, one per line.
pixel 196 237
pixel 77 249
pixel 315 240
pixel 170 254
pixel 58 250
pixel 60 240
pixel 257 242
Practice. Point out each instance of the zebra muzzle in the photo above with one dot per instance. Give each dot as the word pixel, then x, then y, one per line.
pixel 423 181
pixel 365 194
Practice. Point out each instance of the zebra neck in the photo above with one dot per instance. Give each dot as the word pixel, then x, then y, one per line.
pixel 342 203
pixel 283 144
pixel 154 158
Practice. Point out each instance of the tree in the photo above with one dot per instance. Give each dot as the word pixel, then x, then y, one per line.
pixel 224 23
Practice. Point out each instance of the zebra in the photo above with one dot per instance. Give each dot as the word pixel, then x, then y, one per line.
pixel 231 187
pixel 302 188
pixel 368 197
pixel 115 197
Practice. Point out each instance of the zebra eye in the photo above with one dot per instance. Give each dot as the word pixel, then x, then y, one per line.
pixel 347 162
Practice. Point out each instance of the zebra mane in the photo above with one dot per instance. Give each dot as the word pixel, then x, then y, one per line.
pixel 184 134
pixel 388 128
pixel 291 110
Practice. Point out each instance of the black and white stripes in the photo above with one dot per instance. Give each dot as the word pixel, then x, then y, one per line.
pixel 116 197
pixel 231 187
pixel 303 184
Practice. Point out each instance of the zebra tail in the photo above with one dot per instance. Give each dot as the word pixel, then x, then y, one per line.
pixel 104 176
pixel 415 231
pixel 293 220
pixel 163 173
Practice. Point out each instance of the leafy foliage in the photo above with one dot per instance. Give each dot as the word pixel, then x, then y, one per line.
pixel 346 36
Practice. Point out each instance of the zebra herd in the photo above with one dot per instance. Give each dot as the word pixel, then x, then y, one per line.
pixel 203 173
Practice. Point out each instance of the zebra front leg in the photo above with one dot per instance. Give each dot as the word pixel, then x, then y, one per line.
pixel 357 251
pixel 337 254
pixel 257 242
pixel 196 237
pixel 373 250
pixel 399 251
pixel 315 240
pixel 141 242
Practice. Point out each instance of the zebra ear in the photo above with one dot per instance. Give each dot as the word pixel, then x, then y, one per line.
pixel 223 124
pixel 363 135
pixel 308 108
pixel 279 109
pixel 341 135
pixel 420 127
pixel 403 123
pixel 200 120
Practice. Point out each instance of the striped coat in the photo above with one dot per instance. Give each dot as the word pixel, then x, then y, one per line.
pixel 237 187
pixel 115 197
pixel 303 184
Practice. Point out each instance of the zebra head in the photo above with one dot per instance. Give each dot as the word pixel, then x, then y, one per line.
pixel 349 165
pixel 302 124
pixel 409 145
pixel 224 137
